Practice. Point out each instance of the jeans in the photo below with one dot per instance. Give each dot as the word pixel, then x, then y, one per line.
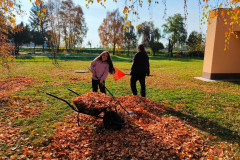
pixel 96 84
pixel 134 79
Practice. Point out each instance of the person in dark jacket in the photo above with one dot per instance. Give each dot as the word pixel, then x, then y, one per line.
pixel 139 70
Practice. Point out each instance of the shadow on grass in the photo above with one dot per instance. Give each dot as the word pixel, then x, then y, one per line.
pixel 90 58
pixel 181 59
pixel 236 82
pixel 27 57
pixel 207 126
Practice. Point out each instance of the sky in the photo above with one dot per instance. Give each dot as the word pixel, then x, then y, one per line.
pixel 95 13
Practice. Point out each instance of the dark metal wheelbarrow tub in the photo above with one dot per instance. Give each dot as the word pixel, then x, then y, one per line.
pixel 111 119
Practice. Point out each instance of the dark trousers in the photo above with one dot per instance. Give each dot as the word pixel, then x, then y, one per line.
pixel 134 79
pixel 96 84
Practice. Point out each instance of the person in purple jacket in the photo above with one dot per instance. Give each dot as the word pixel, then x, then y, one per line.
pixel 100 67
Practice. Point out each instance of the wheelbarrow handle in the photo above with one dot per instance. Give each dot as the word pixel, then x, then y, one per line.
pixel 62 100
pixel 73 91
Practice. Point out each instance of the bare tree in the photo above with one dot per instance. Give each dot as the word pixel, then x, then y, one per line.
pixel 54 27
pixel 72 24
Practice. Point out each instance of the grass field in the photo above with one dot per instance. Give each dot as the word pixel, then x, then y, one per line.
pixel 30 118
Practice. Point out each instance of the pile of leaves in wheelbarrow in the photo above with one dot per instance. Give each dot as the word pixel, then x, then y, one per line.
pixel 148 134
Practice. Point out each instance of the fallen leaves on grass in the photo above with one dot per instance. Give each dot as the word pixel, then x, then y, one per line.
pixel 16 107
pixel 13 107
pixel 14 84
pixel 147 135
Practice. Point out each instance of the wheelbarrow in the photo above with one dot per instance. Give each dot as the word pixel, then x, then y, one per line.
pixel 111 119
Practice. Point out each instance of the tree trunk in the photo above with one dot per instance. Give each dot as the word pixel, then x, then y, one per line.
pixel 114 48
pixel 34 49
pixel 43 47
pixel 16 53
pixel 170 49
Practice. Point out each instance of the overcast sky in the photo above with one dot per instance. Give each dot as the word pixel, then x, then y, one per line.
pixel 95 14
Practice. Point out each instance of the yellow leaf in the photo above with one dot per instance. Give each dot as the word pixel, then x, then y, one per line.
pixel 5 9
pixel 220 6
pixel 206 6
pixel 38 2
pixel 44 10
pixel 127 23
pixel 124 27
pixel 125 10
pixel 0 3
pixel 10 4
pixel 32 132
pixel 136 27
pixel 38 13
pixel 86 5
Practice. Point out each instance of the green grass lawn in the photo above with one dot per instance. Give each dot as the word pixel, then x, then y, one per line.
pixel 213 108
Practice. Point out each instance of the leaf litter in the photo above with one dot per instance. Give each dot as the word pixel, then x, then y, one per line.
pixel 147 135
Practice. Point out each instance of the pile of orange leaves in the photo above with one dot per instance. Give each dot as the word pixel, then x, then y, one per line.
pixel 148 134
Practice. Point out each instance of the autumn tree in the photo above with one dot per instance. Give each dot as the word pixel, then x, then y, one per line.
pixel 5 46
pixel 53 32
pixel 72 24
pixel 175 30
pixel 8 26
pixel 130 38
pixel 7 22
pixel 37 22
pixel 150 36
pixel 111 30
pixel 19 36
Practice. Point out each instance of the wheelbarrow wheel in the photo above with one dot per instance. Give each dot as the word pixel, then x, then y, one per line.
pixel 111 120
